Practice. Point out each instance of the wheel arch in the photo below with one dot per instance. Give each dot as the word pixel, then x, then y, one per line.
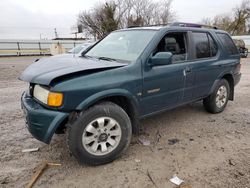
pixel 122 98
pixel 229 77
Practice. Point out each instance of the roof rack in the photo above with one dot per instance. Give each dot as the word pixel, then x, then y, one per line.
pixel 179 24
pixel 183 24
pixel 133 26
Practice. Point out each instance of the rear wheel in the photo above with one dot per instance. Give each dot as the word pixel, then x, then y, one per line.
pixel 100 134
pixel 217 101
pixel 246 54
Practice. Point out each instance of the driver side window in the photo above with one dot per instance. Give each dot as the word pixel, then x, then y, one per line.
pixel 175 43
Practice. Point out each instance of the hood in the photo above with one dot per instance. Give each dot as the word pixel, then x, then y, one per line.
pixel 67 55
pixel 46 70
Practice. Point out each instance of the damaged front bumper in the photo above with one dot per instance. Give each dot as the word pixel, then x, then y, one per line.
pixel 41 122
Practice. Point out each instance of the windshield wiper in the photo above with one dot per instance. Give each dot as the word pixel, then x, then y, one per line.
pixel 87 56
pixel 106 58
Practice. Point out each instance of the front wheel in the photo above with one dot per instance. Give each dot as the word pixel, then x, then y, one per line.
pixel 217 101
pixel 100 134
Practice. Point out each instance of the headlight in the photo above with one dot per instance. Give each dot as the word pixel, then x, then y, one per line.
pixel 47 97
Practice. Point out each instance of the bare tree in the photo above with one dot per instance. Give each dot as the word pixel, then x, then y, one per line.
pixel 116 14
pixel 165 10
pixel 207 21
pixel 140 13
pixel 99 21
pixel 241 15
pixel 223 21
pixel 234 23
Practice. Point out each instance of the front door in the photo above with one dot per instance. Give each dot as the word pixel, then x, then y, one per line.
pixel 164 86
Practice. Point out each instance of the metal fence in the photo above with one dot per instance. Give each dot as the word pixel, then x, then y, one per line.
pixel 19 48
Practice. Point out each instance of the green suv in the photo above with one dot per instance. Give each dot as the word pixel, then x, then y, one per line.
pixel 100 97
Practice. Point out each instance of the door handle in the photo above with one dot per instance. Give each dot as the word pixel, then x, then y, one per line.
pixel 187 70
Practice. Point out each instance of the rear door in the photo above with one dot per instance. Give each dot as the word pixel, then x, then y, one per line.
pixel 206 63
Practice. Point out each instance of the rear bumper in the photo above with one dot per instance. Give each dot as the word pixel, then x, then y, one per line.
pixel 41 122
pixel 237 78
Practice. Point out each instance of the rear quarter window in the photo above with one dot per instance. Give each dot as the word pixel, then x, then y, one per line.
pixel 228 43
pixel 213 46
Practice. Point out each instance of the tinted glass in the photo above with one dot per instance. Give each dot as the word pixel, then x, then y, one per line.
pixel 201 45
pixel 228 43
pixel 213 46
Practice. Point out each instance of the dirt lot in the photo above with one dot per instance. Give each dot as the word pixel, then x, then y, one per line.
pixel 204 150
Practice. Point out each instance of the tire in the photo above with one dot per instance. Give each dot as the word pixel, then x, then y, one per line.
pixel 246 53
pixel 210 102
pixel 103 124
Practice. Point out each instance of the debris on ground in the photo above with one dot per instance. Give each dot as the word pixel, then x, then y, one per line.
pixel 175 180
pixel 144 141
pixel 137 160
pixel 30 150
pixel 158 136
pixel 231 162
pixel 151 179
pixel 39 172
pixel 173 141
pixel 184 185
pixel 211 120
pixel 238 174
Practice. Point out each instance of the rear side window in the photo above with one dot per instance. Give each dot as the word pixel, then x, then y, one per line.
pixel 201 45
pixel 205 46
pixel 228 43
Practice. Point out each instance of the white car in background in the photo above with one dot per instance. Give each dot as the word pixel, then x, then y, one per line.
pixel 76 51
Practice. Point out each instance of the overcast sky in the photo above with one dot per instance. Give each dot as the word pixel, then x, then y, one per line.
pixel 32 19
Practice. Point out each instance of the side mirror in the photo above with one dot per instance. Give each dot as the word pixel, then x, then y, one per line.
pixel 160 58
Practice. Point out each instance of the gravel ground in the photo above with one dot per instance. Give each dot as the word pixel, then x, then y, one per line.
pixel 204 150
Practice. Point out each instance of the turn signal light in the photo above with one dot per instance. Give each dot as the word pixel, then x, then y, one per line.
pixel 55 99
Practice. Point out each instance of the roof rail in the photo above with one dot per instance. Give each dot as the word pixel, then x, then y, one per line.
pixel 132 26
pixel 178 24
pixel 183 24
